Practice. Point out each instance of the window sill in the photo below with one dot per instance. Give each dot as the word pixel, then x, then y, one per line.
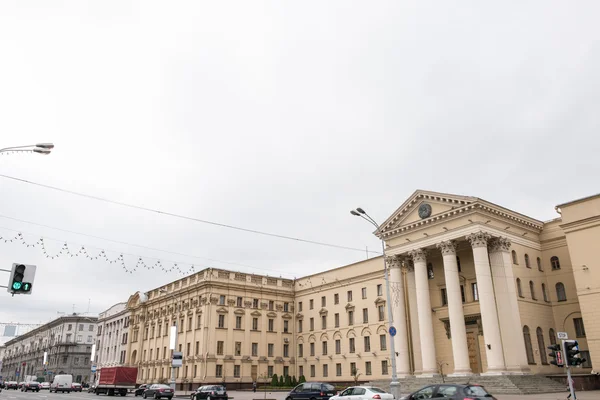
pixel 532 363
pixel 220 327
pixel 562 300
pixel 580 337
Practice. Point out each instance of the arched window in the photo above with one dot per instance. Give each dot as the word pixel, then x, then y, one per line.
pixel 541 346
pixel 430 274
pixel 528 348
pixel 552 336
pixel 532 290
pixel 514 257
pixel 539 263
pixel 544 292
pixel 561 294
pixel 519 289
pixel 555 263
pixel 527 261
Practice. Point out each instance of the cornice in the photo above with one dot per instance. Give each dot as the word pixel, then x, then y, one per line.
pixel 363 277
pixel 581 224
pixel 554 243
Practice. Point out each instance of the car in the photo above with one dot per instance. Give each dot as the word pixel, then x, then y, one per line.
pixel 91 389
pixel 21 384
pixel 210 392
pixel 33 386
pixel 313 391
pixel 363 392
pixel 140 389
pixel 76 387
pixel 450 391
pixel 45 385
pixel 12 385
pixel 158 391
pixel 61 383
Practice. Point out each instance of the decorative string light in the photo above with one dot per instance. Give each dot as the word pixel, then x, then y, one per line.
pixel 82 251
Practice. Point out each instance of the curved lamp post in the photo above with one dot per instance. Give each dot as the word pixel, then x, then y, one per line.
pixel 41 148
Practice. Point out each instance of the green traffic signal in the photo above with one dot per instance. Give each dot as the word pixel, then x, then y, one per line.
pixel 17 285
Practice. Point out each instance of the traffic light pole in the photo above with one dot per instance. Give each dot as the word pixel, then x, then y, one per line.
pixel 570 381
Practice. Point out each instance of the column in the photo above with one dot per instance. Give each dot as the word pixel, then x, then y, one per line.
pixel 399 315
pixel 508 315
pixel 428 358
pixel 460 349
pixel 415 335
pixel 487 304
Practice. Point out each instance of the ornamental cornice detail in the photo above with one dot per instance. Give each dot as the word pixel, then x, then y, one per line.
pixel 479 239
pixel 418 255
pixel 500 244
pixel 447 248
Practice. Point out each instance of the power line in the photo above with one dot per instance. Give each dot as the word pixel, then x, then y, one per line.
pixel 180 216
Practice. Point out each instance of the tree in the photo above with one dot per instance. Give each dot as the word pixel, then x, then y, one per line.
pixel 281 380
pixel 302 379
pixel 355 374
pixel 288 381
pixel 274 380
pixel 294 381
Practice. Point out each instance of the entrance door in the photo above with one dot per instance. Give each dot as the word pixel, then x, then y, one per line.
pixel 473 345
pixel 254 373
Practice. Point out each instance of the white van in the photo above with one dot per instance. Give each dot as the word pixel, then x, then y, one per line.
pixel 61 383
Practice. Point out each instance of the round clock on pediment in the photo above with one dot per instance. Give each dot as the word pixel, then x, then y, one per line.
pixel 424 211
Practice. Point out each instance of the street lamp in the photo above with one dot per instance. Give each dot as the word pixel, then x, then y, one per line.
pixel 40 148
pixel 394 384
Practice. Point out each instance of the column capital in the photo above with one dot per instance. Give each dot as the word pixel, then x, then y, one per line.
pixel 500 244
pixel 418 255
pixel 447 247
pixel 479 239
pixel 393 261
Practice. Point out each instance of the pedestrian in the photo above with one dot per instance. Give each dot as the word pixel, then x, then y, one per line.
pixel 569 384
pixel 254 386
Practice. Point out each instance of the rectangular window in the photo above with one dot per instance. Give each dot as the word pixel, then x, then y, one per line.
pixel 80 327
pixel 579 328
pixel 382 342
pixel 198 323
pixel 312 371
pixel 462 293
pixel 368 368
pixel 325 370
pixel 338 346
pixel 312 349
pixel 336 318
pixel 381 313
pixel 323 322
pixel 286 350
pixel 238 322
pixel 254 303
pixel 221 321
pixel 286 307
pixel 324 348
pixel 350 317
pixel 588 361
pixel 189 327
pixel 349 295
pixel 364 292
pixel 254 324
pixel 474 291
pixel 312 324
pixel 164 353
pixel 254 349
pixel 367 343
pixel 270 370
pixel 379 290
pixel 187 348
pixel 365 315
pixel 300 350
pixel 323 301
pixel 285 326
pixel 444 294
pixel 336 298
pixel 353 368
pixel 351 345
pixel 238 348
pixel 384 367
pixel 236 371
pixel 271 305
pixel 299 325
pixel 218 371
pixel 338 369
pixel 286 371
pixel 197 349
pixel 220 348
pixel 311 304
pixel 299 306
pixel 271 324
pixel 270 349
pixel 238 303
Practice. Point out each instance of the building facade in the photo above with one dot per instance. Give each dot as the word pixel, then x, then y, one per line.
pixel 112 337
pixel 68 343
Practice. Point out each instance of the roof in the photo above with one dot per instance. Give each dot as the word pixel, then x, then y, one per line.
pixel 579 200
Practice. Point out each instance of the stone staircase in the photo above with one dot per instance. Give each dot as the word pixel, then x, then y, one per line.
pixel 503 384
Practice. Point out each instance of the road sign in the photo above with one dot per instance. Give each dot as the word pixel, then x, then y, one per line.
pixel 562 335
pixel 93 368
pixel 392 331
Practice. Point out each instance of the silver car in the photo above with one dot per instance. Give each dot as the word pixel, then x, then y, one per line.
pixel 363 393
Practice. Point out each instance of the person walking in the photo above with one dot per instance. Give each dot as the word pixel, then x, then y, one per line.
pixel 254 386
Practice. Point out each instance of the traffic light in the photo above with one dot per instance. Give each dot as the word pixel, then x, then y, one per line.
pixel 556 354
pixel 571 353
pixel 21 279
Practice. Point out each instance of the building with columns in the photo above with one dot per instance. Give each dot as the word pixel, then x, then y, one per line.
pixel 112 337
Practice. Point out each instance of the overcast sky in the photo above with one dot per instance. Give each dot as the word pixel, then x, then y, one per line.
pixel 279 117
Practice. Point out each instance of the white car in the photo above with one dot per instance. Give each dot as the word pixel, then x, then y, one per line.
pixel 363 393
pixel 45 385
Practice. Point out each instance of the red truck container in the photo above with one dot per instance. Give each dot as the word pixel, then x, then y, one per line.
pixel 116 380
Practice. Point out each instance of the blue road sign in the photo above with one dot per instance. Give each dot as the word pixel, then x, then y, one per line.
pixel 93 368
pixel 392 331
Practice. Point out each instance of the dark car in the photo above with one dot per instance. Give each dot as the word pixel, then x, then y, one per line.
pixel 210 392
pixel 140 390
pixel 158 391
pixel 33 386
pixel 449 391
pixel 312 390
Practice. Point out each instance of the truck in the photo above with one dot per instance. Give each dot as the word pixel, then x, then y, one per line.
pixel 116 380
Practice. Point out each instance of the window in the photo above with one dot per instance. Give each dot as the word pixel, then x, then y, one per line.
pixel 299 325
pixel 198 323
pixel 365 315
pixel 80 327
pixel 236 371
pixel 299 306
pixel 324 345
pixel 527 261
pixel 380 290
pixel 323 322
pixel 350 317
pixel 336 319
pixel 539 264
pixel 286 307
pixel 270 349
pixel 475 291
pixel 384 367
pixel 301 370
pixel 336 298
pixel 323 301
pixel 311 304
pixel 579 328
pixel 221 321
pixel 367 340
pixel 519 289
pixel 351 345
pixel 532 290
pixel 458 264
pixel 514 257
pixel 238 322
pixel 381 312
pixel 271 324
pixel 325 370
pixel 220 348
pixel 462 293
pixel 286 350
pixel 286 325
pixel 271 305
pixel 338 346
pixel 270 370
pixel 254 303
pixel 353 369
pixel 552 336
pixel 585 354
pixel 382 342
pixel 286 371
pixel 541 345
pixel 561 294
pixel 312 371
pixel 555 263
pixel 189 327
pixel 447 391
pixel 312 349
pixel 349 295
pixel 430 273
pixel 338 369
pixel 444 294
pixel 544 293
pixel 254 349
pixel 528 347
pixel 368 368
pixel 300 350
pixel 187 349
pixel 221 300
pixel 254 324
pixel 312 324
pixel 218 371
pixel 364 292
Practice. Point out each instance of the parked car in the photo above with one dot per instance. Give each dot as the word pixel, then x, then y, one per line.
pixel 312 390
pixel 21 384
pixel 449 391
pixel 45 385
pixel 140 389
pixel 33 386
pixel 158 391
pixel 12 385
pixel 363 393
pixel 76 387
pixel 210 392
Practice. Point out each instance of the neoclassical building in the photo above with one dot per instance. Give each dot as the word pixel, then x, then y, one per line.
pixel 475 288
pixel 112 337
